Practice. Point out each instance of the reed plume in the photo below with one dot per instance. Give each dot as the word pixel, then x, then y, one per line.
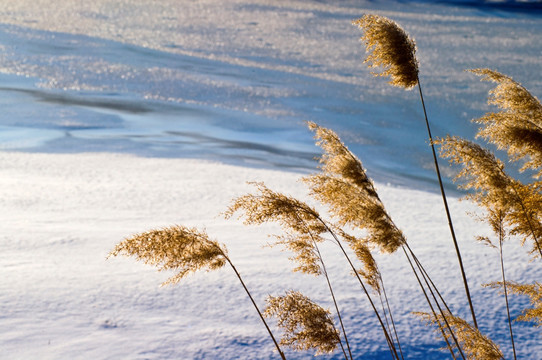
pixel 183 249
pixel 473 343
pixel 352 199
pixel 495 190
pixel 305 324
pixel 517 127
pixel 299 221
pixel 303 227
pixel 481 170
pixel 389 46
pixel 345 188
pixel 343 185
pixel 370 271
pixel 533 291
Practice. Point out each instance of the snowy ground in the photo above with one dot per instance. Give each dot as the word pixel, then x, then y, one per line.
pixel 61 299
pixel 123 116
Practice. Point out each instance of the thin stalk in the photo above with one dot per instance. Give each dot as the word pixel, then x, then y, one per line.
pixel 330 231
pixel 256 306
pixel 441 328
pixel 388 328
pixel 391 317
pixel 506 292
pixel 450 224
pixel 426 276
pixel 324 270
pixel 386 334
pixel 334 300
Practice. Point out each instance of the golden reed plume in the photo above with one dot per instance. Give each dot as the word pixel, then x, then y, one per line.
pixel 481 171
pixel 362 250
pixel 306 325
pixel 301 223
pixel 390 47
pixel 517 128
pixel 185 250
pixel 517 203
pixel 474 345
pixel 534 292
pixel 344 186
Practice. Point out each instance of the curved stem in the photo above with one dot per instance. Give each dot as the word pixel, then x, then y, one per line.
pixel 256 306
pixel 330 290
pixel 450 224
pixel 391 317
pixel 506 292
pixel 386 334
pixel 440 326
pixel 427 277
pixel 333 297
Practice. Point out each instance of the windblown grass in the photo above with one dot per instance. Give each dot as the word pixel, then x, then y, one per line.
pixel 360 226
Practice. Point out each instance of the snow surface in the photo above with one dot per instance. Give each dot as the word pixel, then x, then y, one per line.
pixel 122 116
pixel 61 299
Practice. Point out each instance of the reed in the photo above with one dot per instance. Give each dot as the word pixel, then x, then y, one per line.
pixel 471 340
pixel 184 250
pixel 306 324
pixel 360 226
pixel 390 47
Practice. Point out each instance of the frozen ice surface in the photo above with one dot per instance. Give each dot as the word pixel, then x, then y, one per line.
pixel 217 80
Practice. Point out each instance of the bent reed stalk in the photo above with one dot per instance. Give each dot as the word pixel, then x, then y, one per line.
pixel 185 250
pixel 351 196
pixel 390 47
pixel 303 232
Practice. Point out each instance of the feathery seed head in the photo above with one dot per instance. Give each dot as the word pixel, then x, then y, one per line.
pixel 301 223
pixel 533 291
pixel 306 325
pixel 305 253
pixel 357 207
pixel 337 158
pixel 267 205
pixel 344 186
pixel 517 128
pixel 474 344
pixel 506 200
pixel 511 95
pixel 361 249
pixel 389 46
pixel 481 170
pixel 178 248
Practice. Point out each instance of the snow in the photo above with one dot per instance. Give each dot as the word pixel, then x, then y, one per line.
pixel 60 298
pixel 119 117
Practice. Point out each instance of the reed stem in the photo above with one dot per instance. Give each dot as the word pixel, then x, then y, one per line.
pixel 257 309
pixel 506 292
pixel 391 318
pixel 449 217
pixel 440 326
pixel 375 310
pixel 334 300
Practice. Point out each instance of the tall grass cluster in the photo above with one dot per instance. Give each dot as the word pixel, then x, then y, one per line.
pixel 360 226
